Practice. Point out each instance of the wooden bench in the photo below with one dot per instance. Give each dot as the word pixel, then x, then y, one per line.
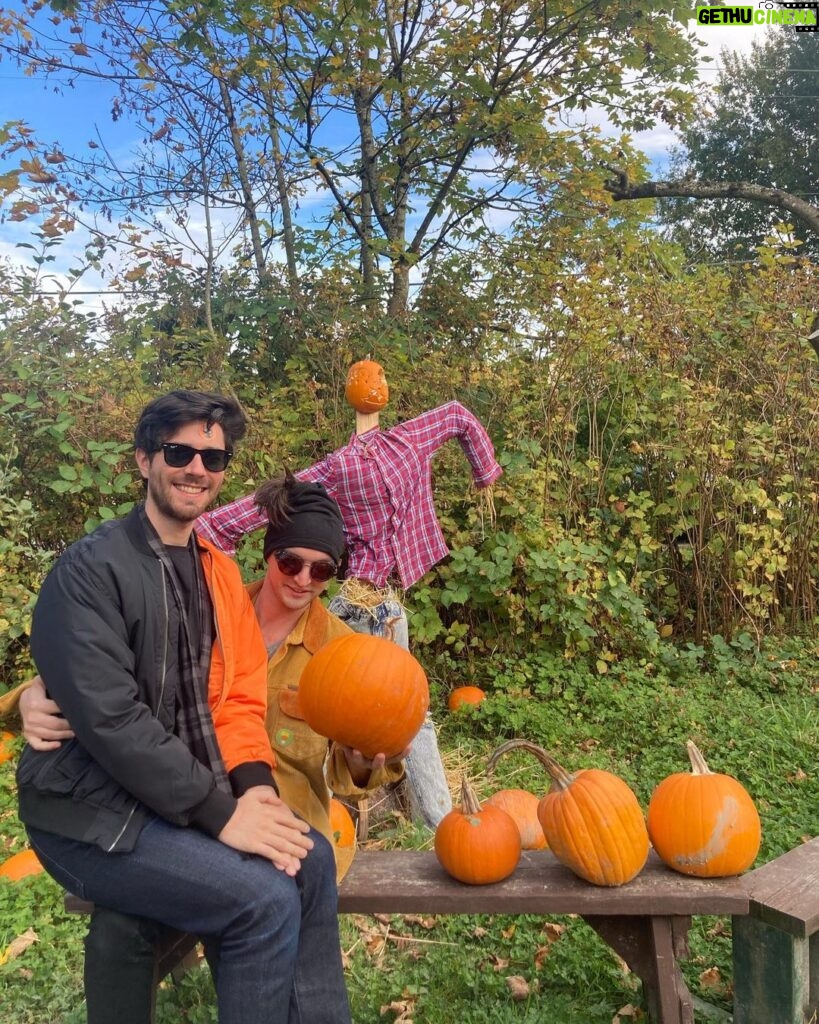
pixel 776 946
pixel 646 921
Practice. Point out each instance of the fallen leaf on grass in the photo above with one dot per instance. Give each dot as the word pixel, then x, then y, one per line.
pixel 518 987
pixel 627 1012
pixel 18 946
pixel 711 978
pixel 402 1007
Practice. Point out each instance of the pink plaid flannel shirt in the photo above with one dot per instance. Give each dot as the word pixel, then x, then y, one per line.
pixel 382 481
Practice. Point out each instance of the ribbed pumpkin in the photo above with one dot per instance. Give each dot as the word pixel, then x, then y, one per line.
pixel 462 695
pixel 21 865
pixel 520 805
pixel 342 829
pixel 703 823
pixel 366 389
pixel 592 821
pixel 365 692
pixel 477 845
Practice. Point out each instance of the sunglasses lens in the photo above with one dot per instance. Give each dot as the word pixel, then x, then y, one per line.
pixel 178 455
pixel 292 565
pixel 215 460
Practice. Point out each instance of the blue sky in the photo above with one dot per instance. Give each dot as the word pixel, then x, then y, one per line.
pixel 80 113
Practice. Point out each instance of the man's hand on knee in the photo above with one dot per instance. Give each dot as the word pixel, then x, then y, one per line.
pixel 263 824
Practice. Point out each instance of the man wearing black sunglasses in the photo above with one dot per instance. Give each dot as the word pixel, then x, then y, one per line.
pixel 146 638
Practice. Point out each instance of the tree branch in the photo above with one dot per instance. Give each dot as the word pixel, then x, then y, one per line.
pixel 622 189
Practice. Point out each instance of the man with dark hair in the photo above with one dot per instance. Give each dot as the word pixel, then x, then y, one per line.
pixel 146 639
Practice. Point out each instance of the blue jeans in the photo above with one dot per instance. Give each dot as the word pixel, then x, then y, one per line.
pixel 429 794
pixel 272 941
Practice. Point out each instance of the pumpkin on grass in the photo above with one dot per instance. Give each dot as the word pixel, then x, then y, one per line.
pixel 366 389
pixel 592 821
pixel 464 696
pixel 477 845
pixel 21 865
pixel 365 692
pixel 703 823
pixel 521 806
pixel 6 746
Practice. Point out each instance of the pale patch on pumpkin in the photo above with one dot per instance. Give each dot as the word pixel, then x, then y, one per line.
pixel 717 841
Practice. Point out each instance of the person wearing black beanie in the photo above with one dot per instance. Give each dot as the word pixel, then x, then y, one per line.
pixel 302 515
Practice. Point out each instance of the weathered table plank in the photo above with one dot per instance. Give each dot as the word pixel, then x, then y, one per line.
pixel 776 947
pixel 412 881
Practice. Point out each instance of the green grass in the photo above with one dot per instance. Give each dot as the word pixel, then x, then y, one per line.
pixel 753 717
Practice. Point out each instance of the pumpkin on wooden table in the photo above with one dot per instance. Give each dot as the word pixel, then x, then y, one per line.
pixel 477 845
pixel 592 821
pixel 520 804
pixel 465 696
pixel 365 692
pixel 366 389
pixel 704 823
pixel 21 865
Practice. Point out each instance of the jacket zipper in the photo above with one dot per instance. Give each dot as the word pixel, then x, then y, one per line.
pixel 161 695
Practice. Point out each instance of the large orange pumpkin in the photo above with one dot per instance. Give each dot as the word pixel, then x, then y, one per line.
pixel 21 865
pixel 366 389
pixel 342 829
pixel 592 821
pixel 703 823
pixel 521 806
pixel 365 692
pixel 477 845
pixel 465 695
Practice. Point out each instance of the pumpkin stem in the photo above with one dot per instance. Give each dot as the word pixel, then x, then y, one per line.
pixel 561 778
pixel 470 804
pixel 698 763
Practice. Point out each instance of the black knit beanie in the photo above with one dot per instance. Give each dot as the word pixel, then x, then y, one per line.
pixel 302 515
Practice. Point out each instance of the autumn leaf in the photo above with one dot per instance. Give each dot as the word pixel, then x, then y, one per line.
pixel 518 987
pixel 19 945
pixel 627 1012
pixel 711 979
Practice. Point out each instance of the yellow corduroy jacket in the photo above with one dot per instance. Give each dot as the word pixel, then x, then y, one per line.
pixel 310 769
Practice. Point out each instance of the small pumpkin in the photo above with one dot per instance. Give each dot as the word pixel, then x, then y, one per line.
pixel 365 692
pixel 366 389
pixel 592 821
pixel 6 746
pixel 465 695
pixel 521 805
pixel 704 823
pixel 342 829
pixel 477 845
pixel 21 865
